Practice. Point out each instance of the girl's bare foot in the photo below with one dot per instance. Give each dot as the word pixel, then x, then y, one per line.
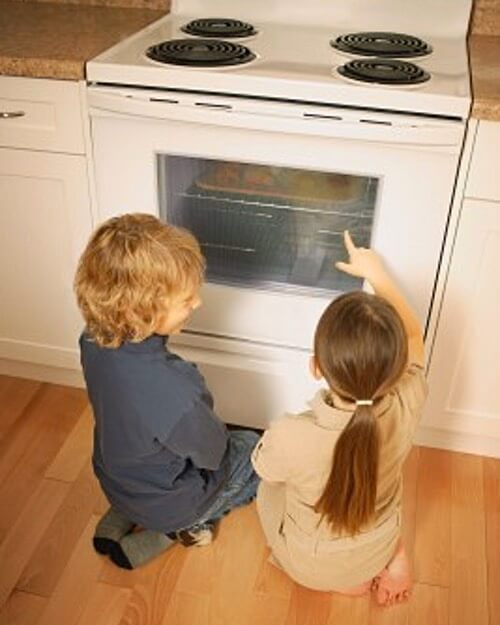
pixel 394 583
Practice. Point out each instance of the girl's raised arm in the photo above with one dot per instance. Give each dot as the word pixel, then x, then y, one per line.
pixel 366 263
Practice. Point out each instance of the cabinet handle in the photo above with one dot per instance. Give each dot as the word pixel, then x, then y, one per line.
pixel 11 114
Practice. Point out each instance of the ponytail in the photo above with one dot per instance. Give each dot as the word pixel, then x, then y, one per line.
pixel 348 500
pixel 361 349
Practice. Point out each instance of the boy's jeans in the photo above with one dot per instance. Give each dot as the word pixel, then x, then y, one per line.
pixel 241 486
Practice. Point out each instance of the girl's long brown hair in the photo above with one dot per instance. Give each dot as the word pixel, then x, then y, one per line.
pixel 361 349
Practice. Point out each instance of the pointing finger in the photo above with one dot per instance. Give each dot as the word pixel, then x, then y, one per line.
pixel 343 267
pixel 349 244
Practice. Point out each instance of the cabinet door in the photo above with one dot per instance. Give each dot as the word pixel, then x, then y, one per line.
pixel 483 181
pixel 44 224
pixel 41 114
pixel 464 369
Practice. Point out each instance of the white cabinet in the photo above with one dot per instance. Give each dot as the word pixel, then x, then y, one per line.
pixel 463 410
pixel 41 115
pixel 45 220
pixel 484 179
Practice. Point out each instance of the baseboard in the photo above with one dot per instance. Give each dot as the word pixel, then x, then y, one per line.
pixel 43 373
pixel 39 353
pixel 462 442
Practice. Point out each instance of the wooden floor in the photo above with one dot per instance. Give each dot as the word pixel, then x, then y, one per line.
pixel 50 575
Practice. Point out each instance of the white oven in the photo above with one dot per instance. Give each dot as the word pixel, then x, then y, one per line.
pixel 268 188
pixel 267 131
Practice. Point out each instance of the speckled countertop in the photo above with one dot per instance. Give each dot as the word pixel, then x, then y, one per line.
pixel 484 53
pixel 43 40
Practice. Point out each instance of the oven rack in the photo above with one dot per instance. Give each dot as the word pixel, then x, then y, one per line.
pixel 242 248
pixel 274 230
pixel 253 250
pixel 260 203
pixel 312 273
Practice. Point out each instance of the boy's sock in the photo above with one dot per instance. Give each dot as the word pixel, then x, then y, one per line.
pixel 198 536
pixel 112 527
pixel 137 548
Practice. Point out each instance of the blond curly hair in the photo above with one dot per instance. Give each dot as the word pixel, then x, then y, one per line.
pixel 126 274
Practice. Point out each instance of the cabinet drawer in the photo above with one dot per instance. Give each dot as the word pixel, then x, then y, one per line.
pixel 41 114
pixel 484 181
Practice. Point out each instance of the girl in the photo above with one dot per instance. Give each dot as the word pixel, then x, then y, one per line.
pixel 330 499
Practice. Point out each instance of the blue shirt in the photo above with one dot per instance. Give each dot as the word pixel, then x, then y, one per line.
pixel 159 449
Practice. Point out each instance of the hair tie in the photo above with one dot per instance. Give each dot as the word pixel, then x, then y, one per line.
pixel 364 402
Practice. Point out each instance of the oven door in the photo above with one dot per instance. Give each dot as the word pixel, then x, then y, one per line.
pixel 268 189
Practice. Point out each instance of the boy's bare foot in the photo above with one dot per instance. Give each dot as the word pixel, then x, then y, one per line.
pixel 394 583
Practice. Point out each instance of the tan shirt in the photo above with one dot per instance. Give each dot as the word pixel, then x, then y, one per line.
pixel 294 459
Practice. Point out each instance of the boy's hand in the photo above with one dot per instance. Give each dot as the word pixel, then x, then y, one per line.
pixel 363 262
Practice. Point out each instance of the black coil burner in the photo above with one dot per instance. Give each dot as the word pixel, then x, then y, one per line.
pixel 226 28
pixel 200 52
pixel 384 72
pixel 381 44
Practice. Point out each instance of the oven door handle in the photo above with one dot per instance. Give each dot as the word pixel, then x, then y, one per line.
pixel 323 121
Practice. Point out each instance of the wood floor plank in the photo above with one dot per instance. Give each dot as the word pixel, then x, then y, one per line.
pixel 22 608
pixel 196 577
pixel 395 615
pixel 187 609
pixel 47 563
pixel 468 585
pixel 308 607
pixel 410 479
pixel 101 504
pixel 28 425
pixel 272 581
pixel 266 609
pixel 105 605
pixel 51 417
pixel 432 551
pixel 429 604
pixel 151 596
pixel 114 576
pixel 68 601
pixel 240 547
pixel 270 597
pixel 15 395
pixel 491 469
pixel 349 610
pixel 227 552
pixel 24 535
pixel 75 452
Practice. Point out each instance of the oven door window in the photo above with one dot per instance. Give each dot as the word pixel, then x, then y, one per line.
pixel 268 227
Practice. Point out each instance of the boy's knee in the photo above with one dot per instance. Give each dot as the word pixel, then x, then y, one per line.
pixel 247 438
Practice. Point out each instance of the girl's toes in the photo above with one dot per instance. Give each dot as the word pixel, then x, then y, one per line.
pixel 383 596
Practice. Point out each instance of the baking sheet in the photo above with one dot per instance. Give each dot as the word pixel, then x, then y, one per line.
pixel 282 184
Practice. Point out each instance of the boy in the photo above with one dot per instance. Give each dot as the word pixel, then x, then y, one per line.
pixel 163 458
